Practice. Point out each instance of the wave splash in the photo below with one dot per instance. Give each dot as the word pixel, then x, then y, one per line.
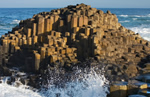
pixel 15 22
pixel 7 90
pixel 143 31
pixel 84 83
pixel 87 84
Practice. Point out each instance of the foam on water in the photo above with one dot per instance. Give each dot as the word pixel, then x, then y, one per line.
pixel 143 31
pixel 15 22
pixel 135 16
pixel 86 85
pixel 124 21
pixel 11 91
pixel 123 15
pixel 148 15
pixel 134 19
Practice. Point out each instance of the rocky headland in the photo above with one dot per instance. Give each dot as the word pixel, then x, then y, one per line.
pixel 76 36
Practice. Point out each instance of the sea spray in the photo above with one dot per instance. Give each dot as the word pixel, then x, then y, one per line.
pixel 89 82
pixel 7 90
pixel 143 31
pixel 81 83
pixel 15 22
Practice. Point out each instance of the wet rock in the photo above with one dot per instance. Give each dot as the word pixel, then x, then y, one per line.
pixel 6 71
pixel 118 90
pixel 145 92
pixel 136 95
pixel 134 86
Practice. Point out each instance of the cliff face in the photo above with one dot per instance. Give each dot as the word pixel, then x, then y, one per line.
pixel 70 35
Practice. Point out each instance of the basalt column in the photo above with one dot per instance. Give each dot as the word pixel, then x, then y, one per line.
pixel 37 61
pixel 40 27
pixel 1 55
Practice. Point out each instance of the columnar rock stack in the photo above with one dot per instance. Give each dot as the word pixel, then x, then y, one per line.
pixel 69 35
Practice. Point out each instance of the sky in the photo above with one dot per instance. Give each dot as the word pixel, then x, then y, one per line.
pixel 64 3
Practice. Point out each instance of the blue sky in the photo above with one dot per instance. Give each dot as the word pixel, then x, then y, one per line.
pixel 63 3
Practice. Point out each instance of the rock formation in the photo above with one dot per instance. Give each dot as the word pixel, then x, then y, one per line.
pixel 71 35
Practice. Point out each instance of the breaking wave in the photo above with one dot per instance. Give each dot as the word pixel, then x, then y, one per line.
pixel 87 84
pixel 123 15
pixel 134 19
pixel 143 31
pixel 7 90
pixel 11 91
pixel 148 15
pixel 124 21
pixel 15 22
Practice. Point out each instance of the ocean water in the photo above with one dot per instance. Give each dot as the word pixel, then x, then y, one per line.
pixel 10 17
pixel 92 84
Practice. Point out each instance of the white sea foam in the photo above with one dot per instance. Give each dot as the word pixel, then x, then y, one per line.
pixel 134 19
pixel 11 91
pixel 143 31
pixel 87 85
pixel 15 22
pixel 124 21
pixel 148 15
pixel 123 15
pixel 137 16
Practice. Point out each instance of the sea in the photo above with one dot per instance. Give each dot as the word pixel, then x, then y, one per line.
pixel 92 84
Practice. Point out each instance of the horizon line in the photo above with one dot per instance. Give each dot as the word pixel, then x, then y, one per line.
pixel 63 7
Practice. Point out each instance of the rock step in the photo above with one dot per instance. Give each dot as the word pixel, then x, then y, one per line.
pixel 123 89
pixel 139 86
pixel 145 92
